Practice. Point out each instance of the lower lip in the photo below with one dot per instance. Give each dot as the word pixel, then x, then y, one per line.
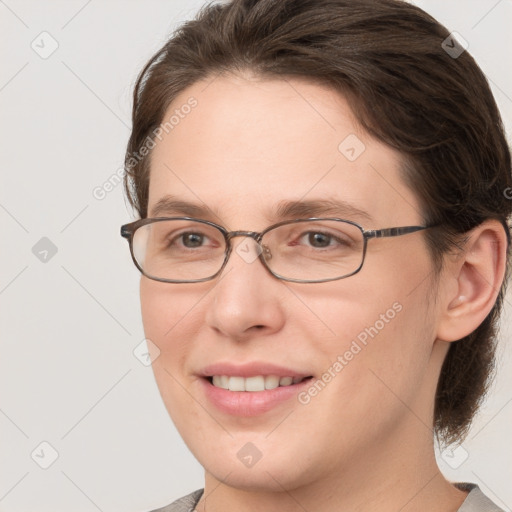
pixel 250 403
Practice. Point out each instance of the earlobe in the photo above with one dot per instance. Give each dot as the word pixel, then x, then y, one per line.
pixel 477 276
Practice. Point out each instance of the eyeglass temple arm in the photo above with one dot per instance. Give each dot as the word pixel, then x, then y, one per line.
pixel 381 233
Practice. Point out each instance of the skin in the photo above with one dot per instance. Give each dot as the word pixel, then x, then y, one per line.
pixel 365 441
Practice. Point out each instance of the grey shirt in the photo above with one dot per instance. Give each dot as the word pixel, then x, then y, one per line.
pixel 476 501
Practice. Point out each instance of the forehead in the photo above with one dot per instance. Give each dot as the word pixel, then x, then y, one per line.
pixel 247 144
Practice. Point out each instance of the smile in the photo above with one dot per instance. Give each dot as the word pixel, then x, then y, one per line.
pixel 253 384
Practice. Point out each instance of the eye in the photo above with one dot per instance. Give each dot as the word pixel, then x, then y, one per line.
pixel 318 239
pixel 191 239
pixel 321 239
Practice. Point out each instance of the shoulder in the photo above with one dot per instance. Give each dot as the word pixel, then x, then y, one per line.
pixel 185 504
pixel 476 500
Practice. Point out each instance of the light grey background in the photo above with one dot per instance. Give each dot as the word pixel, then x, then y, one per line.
pixel 68 375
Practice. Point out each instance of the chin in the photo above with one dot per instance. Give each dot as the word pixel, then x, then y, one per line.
pixel 258 465
pixel 259 478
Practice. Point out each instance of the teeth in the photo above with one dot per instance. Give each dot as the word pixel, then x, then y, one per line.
pixel 221 381
pixel 256 383
pixel 271 382
pixel 252 383
pixel 286 381
pixel 236 384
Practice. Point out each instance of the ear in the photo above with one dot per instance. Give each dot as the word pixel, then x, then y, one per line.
pixel 472 281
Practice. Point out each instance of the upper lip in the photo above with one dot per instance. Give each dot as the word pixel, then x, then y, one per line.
pixel 250 369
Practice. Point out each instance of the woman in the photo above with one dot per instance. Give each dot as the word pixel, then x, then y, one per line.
pixel 323 241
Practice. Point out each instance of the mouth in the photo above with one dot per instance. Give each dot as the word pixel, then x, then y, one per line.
pixel 254 384
pixel 251 388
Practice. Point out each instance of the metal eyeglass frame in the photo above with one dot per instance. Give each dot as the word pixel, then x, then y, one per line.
pixel 128 231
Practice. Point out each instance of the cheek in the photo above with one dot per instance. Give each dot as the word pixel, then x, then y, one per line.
pixel 166 316
pixel 380 334
pixel 374 368
pixel 156 307
pixel 169 318
pixel 165 309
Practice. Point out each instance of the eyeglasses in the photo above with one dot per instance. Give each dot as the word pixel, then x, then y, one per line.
pixel 314 250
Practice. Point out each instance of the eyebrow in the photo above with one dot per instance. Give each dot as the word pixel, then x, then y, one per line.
pixel 330 207
pixel 169 205
pixel 319 208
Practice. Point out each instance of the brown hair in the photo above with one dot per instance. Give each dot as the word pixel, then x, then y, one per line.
pixel 388 58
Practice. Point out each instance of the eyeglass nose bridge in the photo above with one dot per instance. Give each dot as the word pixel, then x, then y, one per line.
pixel 255 235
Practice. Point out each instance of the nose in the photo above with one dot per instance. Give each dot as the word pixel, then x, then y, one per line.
pixel 246 300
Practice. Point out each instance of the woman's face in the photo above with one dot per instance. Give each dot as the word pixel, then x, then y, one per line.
pixel 245 147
